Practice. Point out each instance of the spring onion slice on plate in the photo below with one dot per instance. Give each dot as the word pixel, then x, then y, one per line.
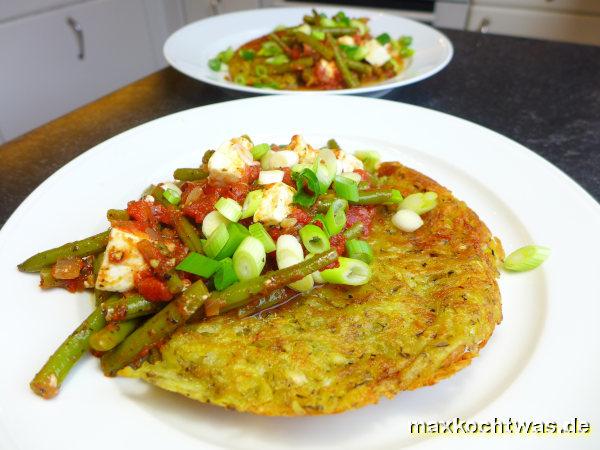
pixel 526 258
pixel 249 259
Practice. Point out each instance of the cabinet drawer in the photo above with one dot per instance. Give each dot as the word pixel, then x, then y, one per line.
pixel 573 6
pixel 16 8
pixel 557 26
pixel 42 76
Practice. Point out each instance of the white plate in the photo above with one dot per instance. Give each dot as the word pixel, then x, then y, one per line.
pixel 190 48
pixel 541 363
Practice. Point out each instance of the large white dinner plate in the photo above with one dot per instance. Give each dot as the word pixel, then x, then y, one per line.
pixel 541 362
pixel 190 48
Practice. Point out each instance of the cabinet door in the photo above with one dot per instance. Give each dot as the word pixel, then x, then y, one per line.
pixel 536 24
pixel 16 8
pixel 42 76
pixel 573 6
pixel 199 9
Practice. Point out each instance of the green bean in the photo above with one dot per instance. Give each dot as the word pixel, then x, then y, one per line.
pixel 280 42
pixel 112 334
pixel 117 214
pixel 207 155
pixel 297 64
pixel 332 144
pixel 239 294
pixel 48 380
pixel 315 44
pixel 186 231
pixel 189 174
pixel 359 67
pixel 156 329
pixel 340 60
pixel 272 300
pixel 85 247
pixel 366 197
pixel 354 231
pixel 174 283
pixel 336 31
pixel 129 307
pixel 311 20
pixel 99 295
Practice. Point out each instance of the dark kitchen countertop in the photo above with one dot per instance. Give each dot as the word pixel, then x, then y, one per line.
pixel 544 95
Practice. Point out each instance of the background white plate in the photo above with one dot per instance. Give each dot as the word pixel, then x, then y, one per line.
pixel 190 48
pixel 541 363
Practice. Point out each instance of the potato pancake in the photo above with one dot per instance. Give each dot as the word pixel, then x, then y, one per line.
pixel 432 304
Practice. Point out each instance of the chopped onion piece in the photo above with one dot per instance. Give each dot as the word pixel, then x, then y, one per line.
pixel 289 251
pixel 258 231
pixel 407 220
pixel 315 240
pixel 352 175
pixel 526 258
pixel 358 249
pixel 260 150
pixel 216 241
pixel 282 158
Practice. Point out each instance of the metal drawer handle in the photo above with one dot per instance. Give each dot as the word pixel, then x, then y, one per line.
pixel 484 26
pixel 215 5
pixel 78 34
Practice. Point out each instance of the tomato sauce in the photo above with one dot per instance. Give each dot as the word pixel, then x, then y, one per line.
pixel 362 214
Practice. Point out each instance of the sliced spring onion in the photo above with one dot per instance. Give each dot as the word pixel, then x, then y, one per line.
pixel 269 48
pixel 303 285
pixel 225 275
pixel 384 38
pixel 173 197
pixel 526 258
pixel 251 203
pixel 328 159
pixel 260 150
pixel 216 241
pixel 249 259
pixel 229 208
pixel 327 22
pixel 396 196
pixel 260 70
pixel 277 60
pixel 351 272
pixel 407 220
pixel 198 265
pixel 316 275
pixel 352 175
pixel 318 34
pixel 369 158
pixel 420 202
pixel 407 52
pixel 240 78
pixel 308 187
pixel 288 251
pixel 226 55
pixel 304 28
pixel 214 64
pixel 237 233
pixel 247 55
pixel 315 240
pixel 358 249
pixel 212 220
pixel 335 219
pixel 346 188
pixel 270 176
pixel 360 25
pixel 258 231
pixel 405 41
pixel 360 53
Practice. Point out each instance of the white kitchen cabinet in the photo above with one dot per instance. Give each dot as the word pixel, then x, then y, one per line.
pixel 42 75
pixel 571 6
pixel 541 24
pixel 199 9
pixel 10 9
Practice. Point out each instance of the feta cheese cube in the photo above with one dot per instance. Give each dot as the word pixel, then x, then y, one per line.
pixel 346 40
pixel 229 162
pixel 306 153
pixel 122 261
pixel 276 204
pixel 377 54
pixel 347 162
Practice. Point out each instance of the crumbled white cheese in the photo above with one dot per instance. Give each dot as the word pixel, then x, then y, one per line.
pixel 281 158
pixel 306 153
pixel 347 162
pixel 229 162
pixel 377 54
pixel 346 40
pixel 122 260
pixel 276 204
